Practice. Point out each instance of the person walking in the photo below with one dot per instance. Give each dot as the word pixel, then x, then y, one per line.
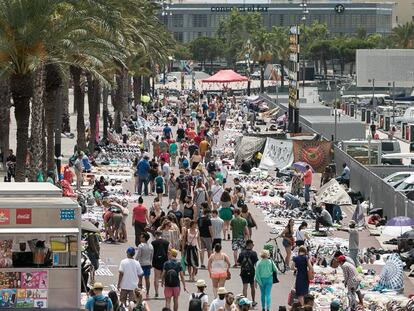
pixel 307 181
pixel 206 234
pixel 172 273
pixel 301 236
pixel 247 261
pixel 288 241
pixel 145 254
pixel 159 186
pixel 138 303
pixel 226 213
pixel 172 188
pixel 251 223
pixel 160 256
pixel 140 219
pixel 199 300
pixel 302 266
pixel 166 173
pixel 143 169
pixel 129 272
pixel 240 232
pixel 78 166
pixel 265 268
pixel 173 152
pixel 191 249
pixel 219 302
pixel 218 268
pixel 98 301
pixel 353 242
pixel 217 227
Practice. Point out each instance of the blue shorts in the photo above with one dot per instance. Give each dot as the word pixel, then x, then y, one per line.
pixel 147 270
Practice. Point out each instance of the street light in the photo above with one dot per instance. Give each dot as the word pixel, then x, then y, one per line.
pixel 247 59
pixel 373 93
pixel 165 7
pixel 393 101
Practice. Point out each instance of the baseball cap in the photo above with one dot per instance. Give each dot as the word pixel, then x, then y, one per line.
pixel 131 250
pixel 245 301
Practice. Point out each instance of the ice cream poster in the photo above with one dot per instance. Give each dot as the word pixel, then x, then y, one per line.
pixel 38 279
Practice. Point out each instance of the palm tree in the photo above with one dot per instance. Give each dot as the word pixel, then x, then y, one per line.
pixel 5 105
pixel 261 52
pixel 403 36
pixel 280 48
pixel 23 21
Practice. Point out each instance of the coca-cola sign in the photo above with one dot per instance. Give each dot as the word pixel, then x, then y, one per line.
pixel 23 216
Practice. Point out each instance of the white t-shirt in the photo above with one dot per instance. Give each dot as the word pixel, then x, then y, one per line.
pixel 217 226
pixel 131 270
pixel 216 304
pixel 166 170
pixel 125 129
pixel 203 299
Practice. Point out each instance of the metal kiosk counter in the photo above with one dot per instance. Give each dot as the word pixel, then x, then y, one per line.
pixel 40 243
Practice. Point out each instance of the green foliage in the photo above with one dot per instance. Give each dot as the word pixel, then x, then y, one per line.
pixel 403 36
pixel 235 30
pixel 206 48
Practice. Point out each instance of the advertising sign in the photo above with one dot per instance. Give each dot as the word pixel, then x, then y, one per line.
pixel 4 216
pixel 23 216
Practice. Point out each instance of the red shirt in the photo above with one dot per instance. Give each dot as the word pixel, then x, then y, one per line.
pixel 197 140
pixel 139 213
pixel 307 177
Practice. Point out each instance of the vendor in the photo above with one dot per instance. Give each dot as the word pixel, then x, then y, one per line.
pixel 99 189
pixel 246 167
pixel 322 217
pixel 291 201
pixel 257 158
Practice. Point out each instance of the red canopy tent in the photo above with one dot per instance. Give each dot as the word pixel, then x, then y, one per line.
pixel 225 76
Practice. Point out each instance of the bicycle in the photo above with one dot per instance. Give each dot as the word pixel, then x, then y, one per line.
pixel 276 255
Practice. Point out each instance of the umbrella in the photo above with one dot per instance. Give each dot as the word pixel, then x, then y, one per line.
pixel 392 275
pixel 86 225
pixel 145 98
pixel 400 221
pixel 301 166
pixel 408 235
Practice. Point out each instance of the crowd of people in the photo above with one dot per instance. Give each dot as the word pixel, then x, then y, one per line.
pixel 188 208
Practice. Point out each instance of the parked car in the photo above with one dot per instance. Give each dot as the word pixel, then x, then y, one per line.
pixel 390 146
pixel 407 185
pixel 397 178
pixel 169 78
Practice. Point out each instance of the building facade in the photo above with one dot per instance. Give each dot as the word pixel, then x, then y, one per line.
pixel 403 12
pixel 190 19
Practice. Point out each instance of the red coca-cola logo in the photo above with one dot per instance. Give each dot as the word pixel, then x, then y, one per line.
pixel 23 216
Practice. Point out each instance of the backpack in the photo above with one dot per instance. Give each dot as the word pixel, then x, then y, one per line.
pixel 247 267
pixel 171 277
pixel 240 202
pixel 182 182
pixel 100 305
pixel 195 303
pixel 211 167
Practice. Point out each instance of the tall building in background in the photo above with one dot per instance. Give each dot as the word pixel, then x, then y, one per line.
pixel 189 19
pixel 403 10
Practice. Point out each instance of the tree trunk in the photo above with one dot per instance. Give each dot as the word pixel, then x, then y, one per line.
pixel 121 105
pixel 351 68
pixel 21 86
pixel 105 112
pixel 5 105
pixel 37 140
pixel 261 78
pixel 137 80
pixel 65 107
pixel 282 77
pixel 79 102
pixel 94 99
pixel 53 83
pixel 325 66
pixel 146 86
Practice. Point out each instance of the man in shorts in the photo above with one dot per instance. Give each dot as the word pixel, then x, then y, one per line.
pixel 240 232
pixel 129 272
pixel 171 274
pixel 206 234
pixel 247 261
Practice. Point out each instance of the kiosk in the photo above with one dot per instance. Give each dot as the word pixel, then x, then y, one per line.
pixel 39 248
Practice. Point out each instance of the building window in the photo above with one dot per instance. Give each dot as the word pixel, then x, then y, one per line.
pixel 177 20
pixel 199 20
pixel 178 36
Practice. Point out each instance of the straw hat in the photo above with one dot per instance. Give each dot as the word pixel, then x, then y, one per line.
pixel 201 283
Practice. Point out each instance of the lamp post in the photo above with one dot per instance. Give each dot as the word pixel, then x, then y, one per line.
pixel 335 109
pixel 373 92
pixel 247 59
pixel 165 7
pixel 305 12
